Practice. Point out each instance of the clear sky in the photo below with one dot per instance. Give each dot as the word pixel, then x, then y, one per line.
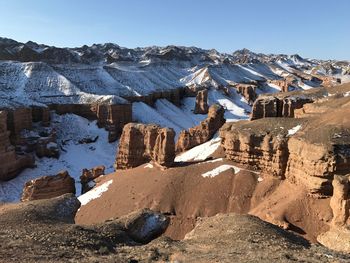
pixel 311 28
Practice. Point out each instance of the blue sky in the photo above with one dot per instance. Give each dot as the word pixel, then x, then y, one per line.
pixel 317 29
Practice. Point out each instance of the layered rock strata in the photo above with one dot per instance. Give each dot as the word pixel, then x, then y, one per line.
pixel 11 163
pixel 262 144
pixel 274 106
pixel 204 131
pixel 201 106
pixel 141 143
pixel 48 187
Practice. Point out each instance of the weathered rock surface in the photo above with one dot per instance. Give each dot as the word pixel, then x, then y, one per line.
pixel 48 187
pixel 88 176
pixel 141 143
pixel 48 234
pixel 204 131
pixel 261 144
pixel 277 106
pixel 11 163
pixel 201 106
pixel 309 157
pixel 338 236
pixel 248 91
pixel 290 82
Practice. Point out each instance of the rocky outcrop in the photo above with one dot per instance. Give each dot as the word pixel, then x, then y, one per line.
pixel 262 144
pixel 88 176
pixel 18 119
pixel 48 187
pixel 248 91
pixel 204 131
pixel 141 143
pixel 338 236
pixel 41 114
pixel 274 106
pixel 286 83
pixel 340 201
pixel 201 106
pixel 11 163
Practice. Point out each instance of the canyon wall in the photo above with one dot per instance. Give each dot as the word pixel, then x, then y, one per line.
pixel 141 143
pixel 11 163
pixel 204 131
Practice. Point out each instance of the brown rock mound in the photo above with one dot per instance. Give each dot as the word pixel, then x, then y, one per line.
pixel 141 143
pixel 48 187
pixel 204 131
pixel 201 106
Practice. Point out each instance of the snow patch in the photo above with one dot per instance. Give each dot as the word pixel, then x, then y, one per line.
pixel 294 130
pixel 200 152
pixel 149 165
pixel 94 193
pixel 221 169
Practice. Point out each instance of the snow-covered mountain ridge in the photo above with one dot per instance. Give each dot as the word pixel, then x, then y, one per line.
pixel 32 73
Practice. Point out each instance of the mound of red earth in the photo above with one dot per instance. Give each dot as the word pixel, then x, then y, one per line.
pixel 44 231
pixel 203 132
pixel 141 143
pixel 48 187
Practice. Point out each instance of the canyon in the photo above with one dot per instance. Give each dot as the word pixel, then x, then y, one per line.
pixel 147 154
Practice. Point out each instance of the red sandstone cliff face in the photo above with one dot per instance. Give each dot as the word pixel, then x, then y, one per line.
pixel 248 91
pixel 11 163
pixel 141 143
pixel 201 106
pixel 204 131
pixel 273 106
pixel 48 187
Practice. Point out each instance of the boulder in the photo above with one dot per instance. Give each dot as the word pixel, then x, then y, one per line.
pixel 46 187
pixel 201 106
pixel 204 131
pixel 248 91
pixel 141 143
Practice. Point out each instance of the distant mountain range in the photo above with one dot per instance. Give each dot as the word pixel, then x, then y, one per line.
pixel 32 73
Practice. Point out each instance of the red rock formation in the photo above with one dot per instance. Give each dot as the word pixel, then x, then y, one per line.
pixel 274 106
pixel 285 83
pixel 201 106
pixel 17 120
pixel 48 187
pixel 248 91
pixel 164 148
pixel 204 131
pixel 11 163
pixel 258 144
pixel 89 175
pixel 141 143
